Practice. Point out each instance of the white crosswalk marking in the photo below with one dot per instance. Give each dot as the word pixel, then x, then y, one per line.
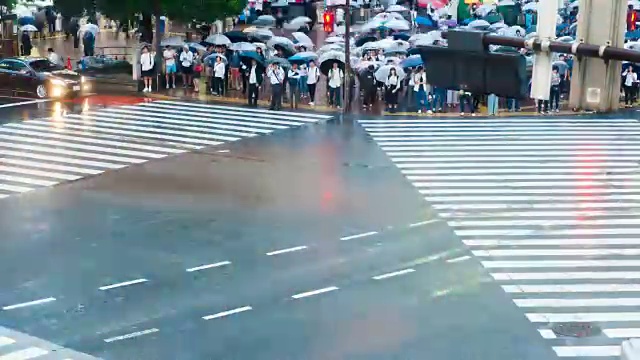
pixel 548 205
pixel 46 152
pixel 15 345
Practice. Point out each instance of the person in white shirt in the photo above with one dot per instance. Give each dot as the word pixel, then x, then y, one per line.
pixel 186 62
pixel 254 81
pixel 169 56
pixel 54 58
pixel 218 77
pixel 294 88
pixel 276 78
pixel 420 89
pixel 335 78
pixel 147 64
pixel 630 78
pixel 313 75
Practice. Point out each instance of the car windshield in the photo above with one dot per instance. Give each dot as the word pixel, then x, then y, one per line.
pixel 44 65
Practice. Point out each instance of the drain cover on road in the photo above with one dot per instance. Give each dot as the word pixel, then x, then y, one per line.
pixel 578 330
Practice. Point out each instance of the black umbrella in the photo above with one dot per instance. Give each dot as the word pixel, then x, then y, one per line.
pixel 327 65
pixel 237 36
pixel 365 39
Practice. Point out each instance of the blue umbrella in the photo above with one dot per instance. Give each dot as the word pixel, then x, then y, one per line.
pixel 303 57
pixel 411 61
pixel 247 56
pixel 26 20
pixel 424 21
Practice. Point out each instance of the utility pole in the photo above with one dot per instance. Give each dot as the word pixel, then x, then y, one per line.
pixel 347 57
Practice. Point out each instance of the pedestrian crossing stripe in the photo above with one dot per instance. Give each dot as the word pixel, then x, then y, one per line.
pixel 15 345
pixel 46 152
pixel 548 206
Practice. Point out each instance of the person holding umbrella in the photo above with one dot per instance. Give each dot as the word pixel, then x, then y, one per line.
pixel 368 84
pixel 276 78
pixel 218 77
pixel 294 89
pixel 313 75
pixel 335 78
pixel 26 43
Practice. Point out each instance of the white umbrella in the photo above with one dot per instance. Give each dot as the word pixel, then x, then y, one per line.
pixel 383 72
pixel 396 8
pixel 28 28
pixel 532 6
pixel 634 3
pixel 301 20
pixel 370 46
pixel 431 36
pixel 392 60
pixel 280 40
pixel 266 18
pixel 218 40
pixel 196 46
pixel 243 46
pixel 516 31
pixel 334 39
pixel 92 28
pixel 365 64
pixel 250 29
pixel 632 45
pixel 398 25
pixel 262 33
pixel 498 26
pixel 506 3
pixel 331 47
pixel 479 24
pixel 484 10
pixel 303 39
pixel 385 43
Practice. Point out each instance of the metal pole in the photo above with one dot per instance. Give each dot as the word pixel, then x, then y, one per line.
pixel 580 49
pixel 347 57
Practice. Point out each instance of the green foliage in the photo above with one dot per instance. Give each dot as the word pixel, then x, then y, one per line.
pixel 181 10
pixel 72 7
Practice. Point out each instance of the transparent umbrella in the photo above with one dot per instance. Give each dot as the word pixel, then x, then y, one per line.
pixel 243 46
pixel 172 41
pixel 396 8
pixel 92 28
pixel 383 72
pixel 479 24
pixel 28 28
pixel 303 39
pixel 398 25
pixel 334 39
pixel 218 40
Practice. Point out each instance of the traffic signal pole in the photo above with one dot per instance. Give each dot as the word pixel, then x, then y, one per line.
pixel 347 57
pixel 542 61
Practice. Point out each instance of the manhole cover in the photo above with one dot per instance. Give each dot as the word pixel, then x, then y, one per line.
pixel 578 330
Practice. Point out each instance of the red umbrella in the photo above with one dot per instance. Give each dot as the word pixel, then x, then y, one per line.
pixel 436 4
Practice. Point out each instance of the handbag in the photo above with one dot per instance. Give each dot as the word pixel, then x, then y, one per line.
pixel 198 68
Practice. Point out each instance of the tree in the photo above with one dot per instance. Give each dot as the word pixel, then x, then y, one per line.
pixel 70 8
pixel 180 10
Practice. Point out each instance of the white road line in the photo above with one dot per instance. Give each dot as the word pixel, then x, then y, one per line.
pixel 250 112
pixel 50 166
pixel 554 242
pixel 288 250
pixel 357 236
pixel 582 317
pixel 559 303
pixel 625 333
pixel 392 274
pixel 227 313
pixel 25 354
pixel 14 188
pixel 315 292
pixel 547 334
pixel 459 259
pixel 416 175
pixel 577 275
pixel 209 266
pixel 578 206
pixel 587 351
pixel 25 180
pixel 543 222
pixel 131 335
pixel 571 288
pixel 30 303
pixel 49 174
pixel 60 159
pixel 24 103
pixel 510 191
pixel 6 341
pixel 560 263
pixel 424 222
pixel 569 231
pixel 126 283
pixel 556 252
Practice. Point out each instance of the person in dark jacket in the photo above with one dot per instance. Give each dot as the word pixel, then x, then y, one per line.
pixel 88 43
pixel 254 81
pixel 26 44
pixel 369 86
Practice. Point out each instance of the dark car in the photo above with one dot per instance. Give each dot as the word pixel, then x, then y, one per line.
pixel 40 77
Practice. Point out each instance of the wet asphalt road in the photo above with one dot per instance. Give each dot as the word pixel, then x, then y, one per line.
pixel 223 252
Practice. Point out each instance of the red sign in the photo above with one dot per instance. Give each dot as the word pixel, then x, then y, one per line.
pixel 329 19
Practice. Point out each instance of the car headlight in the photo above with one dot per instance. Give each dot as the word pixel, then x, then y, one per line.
pixel 82 79
pixel 58 82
